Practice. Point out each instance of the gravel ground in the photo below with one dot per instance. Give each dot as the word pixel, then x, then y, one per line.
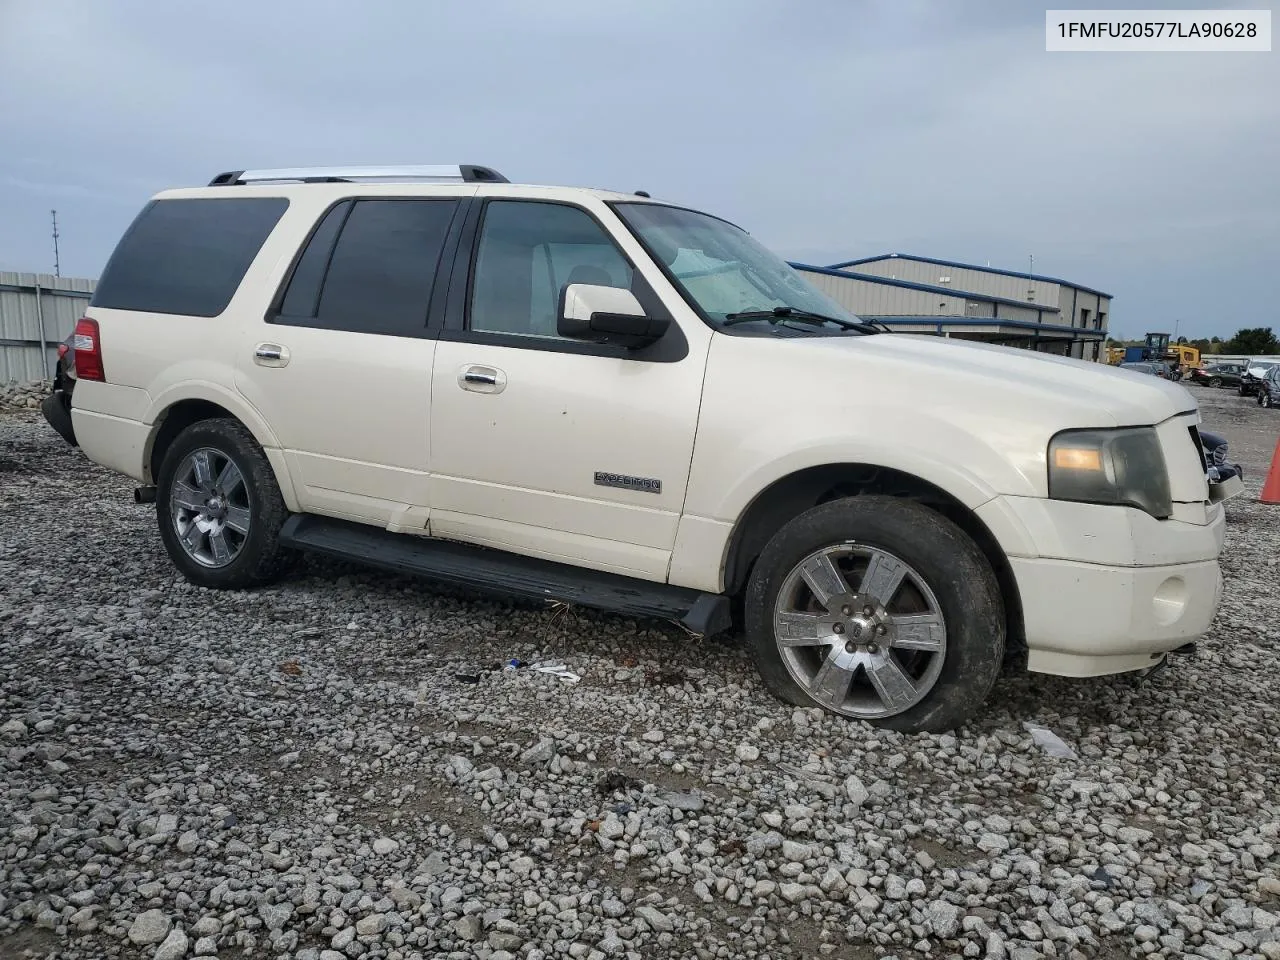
pixel 337 767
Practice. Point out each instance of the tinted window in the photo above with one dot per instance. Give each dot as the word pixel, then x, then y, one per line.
pixel 303 296
pixel 187 256
pixel 379 275
pixel 528 252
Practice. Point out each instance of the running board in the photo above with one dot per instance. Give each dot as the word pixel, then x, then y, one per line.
pixel 497 571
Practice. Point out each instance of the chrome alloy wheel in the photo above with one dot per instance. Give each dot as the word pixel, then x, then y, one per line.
pixel 209 504
pixel 860 631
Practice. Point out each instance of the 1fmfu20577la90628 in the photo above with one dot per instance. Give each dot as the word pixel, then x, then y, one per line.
pixel 601 398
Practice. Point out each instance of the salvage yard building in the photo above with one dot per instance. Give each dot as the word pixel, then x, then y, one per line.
pixel 914 294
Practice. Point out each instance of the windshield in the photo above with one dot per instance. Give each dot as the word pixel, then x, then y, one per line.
pixel 721 268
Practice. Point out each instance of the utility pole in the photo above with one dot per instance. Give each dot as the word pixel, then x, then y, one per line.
pixel 57 262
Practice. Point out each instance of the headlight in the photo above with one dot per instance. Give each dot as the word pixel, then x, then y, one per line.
pixel 1124 467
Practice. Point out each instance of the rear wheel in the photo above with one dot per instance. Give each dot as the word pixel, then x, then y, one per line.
pixel 219 508
pixel 879 609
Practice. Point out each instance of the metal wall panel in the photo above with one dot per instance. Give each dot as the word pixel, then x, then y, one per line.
pixel 962 280
pixel 24 355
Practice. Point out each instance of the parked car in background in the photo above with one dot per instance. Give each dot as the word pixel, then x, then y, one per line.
pixel 1149 367
pixel 1217 374
pixel 1269 388
pixel 1253 376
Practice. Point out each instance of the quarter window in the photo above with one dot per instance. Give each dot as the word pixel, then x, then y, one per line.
pixel 187 256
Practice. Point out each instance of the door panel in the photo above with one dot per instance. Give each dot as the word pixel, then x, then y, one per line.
pixel 351 411
pixel 540 445
pixel 341 366
pixel 528 456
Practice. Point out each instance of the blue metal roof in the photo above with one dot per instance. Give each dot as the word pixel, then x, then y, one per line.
pixel 946 321
pixel 928 288
pixel 967 266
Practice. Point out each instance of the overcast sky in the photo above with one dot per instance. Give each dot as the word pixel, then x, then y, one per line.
pixel 831 129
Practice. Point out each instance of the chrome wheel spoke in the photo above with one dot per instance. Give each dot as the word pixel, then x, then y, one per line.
pixel 191 537
pixel 202 470
pixel 187 497
pixel 896 690
pixel 824 579
pixel 230 478
pixel 237 519
pixel 883 577
pixel 802 629
pixel 830 685
pixel 218 544
pixel 917 631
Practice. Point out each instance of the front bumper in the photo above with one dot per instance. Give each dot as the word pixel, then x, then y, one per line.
pixel 1110 589
pixel 1085 620
pixel 57 411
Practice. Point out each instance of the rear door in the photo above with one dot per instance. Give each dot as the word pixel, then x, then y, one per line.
pixel 340 366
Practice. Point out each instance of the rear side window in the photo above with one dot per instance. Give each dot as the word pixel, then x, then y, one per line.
pixel 370 267
pixel 187 256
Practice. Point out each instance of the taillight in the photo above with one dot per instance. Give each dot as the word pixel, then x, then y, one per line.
pixel 62 351
pixel 88 350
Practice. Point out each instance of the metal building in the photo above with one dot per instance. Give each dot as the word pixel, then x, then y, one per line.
pixel 926 295
pixel 37 312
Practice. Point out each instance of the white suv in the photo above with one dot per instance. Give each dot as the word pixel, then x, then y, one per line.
pixel 599 398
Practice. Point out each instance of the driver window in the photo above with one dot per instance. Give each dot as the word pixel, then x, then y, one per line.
pixel 528 252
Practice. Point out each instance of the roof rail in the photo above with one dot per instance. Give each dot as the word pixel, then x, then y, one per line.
pixel 462 172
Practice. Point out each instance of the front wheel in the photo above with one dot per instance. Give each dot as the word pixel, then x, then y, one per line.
pixel 1215 382
pixel 219 507
pixel 879 609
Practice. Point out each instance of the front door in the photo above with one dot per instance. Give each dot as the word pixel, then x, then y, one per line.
pixel 341 366
pixel 552 447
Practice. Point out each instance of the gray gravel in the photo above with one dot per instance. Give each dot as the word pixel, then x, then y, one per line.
pixel 298 772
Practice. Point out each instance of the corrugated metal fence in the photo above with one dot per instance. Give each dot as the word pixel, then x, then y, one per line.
pixel 37 312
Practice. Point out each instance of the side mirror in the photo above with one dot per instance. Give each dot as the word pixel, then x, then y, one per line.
pixel 606 315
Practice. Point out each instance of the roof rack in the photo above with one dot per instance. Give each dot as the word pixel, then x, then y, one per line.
pixel 462 172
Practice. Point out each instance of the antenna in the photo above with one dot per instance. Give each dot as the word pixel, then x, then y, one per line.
pixel 1031 291
pixel 57 262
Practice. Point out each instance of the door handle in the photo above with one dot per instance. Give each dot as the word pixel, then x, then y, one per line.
pixel 271 355
pixel 480 378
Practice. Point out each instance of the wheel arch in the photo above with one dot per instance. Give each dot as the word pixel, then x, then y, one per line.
pixel 172 413
pixel 796 492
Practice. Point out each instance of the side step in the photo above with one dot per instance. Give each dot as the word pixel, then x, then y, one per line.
pixel 499 572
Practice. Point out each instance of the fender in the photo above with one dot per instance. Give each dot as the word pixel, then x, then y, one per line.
pixel 922 444
pixel 235 404
pixel 917 443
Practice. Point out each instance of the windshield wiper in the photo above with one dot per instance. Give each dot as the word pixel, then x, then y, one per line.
pixel 777 314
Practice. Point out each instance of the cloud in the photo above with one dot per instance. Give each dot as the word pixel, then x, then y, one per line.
pixel 830 129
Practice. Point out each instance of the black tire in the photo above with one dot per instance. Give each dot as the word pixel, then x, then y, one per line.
pixel 261 558
pixel 1215 382
pixel 946 558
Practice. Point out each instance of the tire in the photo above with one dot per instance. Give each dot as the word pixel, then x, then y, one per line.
pixel 1215 382
pixel 245 516
pixel 949 678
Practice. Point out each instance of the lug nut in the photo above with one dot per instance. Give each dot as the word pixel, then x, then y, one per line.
pixel 846 610
pixel 881 630
pixel 867 611
pixel 873 648
pixel 837 628
pixel 850 647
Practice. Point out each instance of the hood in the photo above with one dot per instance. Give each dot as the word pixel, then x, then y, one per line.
pixel 1025 382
